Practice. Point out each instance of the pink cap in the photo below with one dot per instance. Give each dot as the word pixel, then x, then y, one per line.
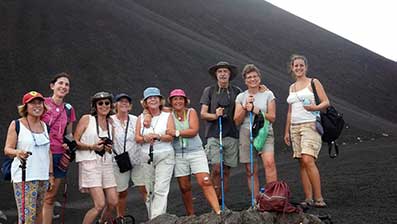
pixel 177 92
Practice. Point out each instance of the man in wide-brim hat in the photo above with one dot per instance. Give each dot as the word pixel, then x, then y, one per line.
pixel 218 103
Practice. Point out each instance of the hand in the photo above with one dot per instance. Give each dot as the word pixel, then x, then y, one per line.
pixel 108 148
pixel 22 155
pixel 249 106
pixel 65 146
pixel 98 146
pixel 150 138
pixel 51 181
pixel 219 111
pixel 287 139
pixel 311 107
pixel 171 132
pixel 262 88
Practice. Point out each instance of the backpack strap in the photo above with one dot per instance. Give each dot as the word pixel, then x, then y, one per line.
pixel 334 155
pixel 68 109
pixel 316 98
pixel 17 126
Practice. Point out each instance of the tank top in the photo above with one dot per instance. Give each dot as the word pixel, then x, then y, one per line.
pixel 37 164
pixel 298 113
pixel 90 136
pixel 158 126
pixel 185 145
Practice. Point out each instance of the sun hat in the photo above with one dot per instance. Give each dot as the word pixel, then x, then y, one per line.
pixel 223 64
pixel 122 95
pixel 101 95
pixel 151 91
pixel 178 92
pixel 31 96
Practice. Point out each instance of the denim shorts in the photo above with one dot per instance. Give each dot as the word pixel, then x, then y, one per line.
pixel 57 172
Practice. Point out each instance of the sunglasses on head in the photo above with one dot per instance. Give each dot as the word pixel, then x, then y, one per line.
pixel 100 103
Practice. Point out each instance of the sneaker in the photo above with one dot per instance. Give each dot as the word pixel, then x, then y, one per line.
pixel 320 203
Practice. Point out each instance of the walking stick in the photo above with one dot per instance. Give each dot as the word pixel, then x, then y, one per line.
pixel 251 163
pixel 150 162
pixel 221 162
pixel 23 167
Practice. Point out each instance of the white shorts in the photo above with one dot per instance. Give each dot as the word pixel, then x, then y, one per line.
pixel 190 163
pixel 136 175
pixel 96 173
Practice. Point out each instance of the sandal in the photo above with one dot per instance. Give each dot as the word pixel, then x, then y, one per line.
pixel 320 203
pixel 307 203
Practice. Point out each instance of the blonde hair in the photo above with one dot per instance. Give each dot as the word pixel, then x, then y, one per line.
pixel 115 106
pixel 162 103
pixel 292 60
pixel 248 68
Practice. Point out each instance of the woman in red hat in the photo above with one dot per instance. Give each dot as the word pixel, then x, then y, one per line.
pixel 190 157
pixel 28 143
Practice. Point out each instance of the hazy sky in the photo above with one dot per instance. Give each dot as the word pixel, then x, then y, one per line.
pixel 369 23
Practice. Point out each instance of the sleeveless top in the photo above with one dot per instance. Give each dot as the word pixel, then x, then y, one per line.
pixel 133 149
pixel 185 145
pixel 297 100
pixel 157 126
pixel 90 136
pixel 37 164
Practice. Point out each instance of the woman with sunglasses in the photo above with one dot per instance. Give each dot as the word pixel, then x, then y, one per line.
pixel 59 117
pixel 190 157
pixel 93 135
pixel 156 143
pixel 28 143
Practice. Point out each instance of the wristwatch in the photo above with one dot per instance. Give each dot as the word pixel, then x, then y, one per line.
pixel 177 133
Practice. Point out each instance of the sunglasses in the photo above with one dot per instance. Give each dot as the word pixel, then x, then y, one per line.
pixel 100 103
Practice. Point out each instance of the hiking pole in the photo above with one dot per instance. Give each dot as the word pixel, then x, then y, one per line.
pixel 23 167
pixel 251 163
pixel 65 197
pixel 150 162
pixel 221 162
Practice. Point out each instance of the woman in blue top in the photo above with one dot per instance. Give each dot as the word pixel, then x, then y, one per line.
pixel 190 157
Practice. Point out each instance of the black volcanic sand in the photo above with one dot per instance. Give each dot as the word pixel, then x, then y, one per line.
pixel 358 187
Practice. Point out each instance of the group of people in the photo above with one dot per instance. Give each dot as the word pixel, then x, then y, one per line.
pixel 114 147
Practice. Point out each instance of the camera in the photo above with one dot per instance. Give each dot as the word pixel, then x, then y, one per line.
pixel 106 140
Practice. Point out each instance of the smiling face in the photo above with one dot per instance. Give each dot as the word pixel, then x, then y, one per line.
pixel 60 87
pixel 35 107
pixel 178 103
pixel 153 102
pixel 103 107
pixel 123 105
pixel 252 79
pixel 299 67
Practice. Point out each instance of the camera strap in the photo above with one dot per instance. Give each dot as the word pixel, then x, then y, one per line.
pixel 125 135
pixel 97 127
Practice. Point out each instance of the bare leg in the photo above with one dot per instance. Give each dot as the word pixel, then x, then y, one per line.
pixel 186 188
pixel 215 177
pixel 256 179
pixel 98 197
pixel 270 166
pixel 111 202
pixel 313 175
pixel 120 208
pixel 208 190
pixel 48 207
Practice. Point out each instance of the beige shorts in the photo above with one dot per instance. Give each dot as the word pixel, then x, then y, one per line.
pixel 244 152
pixel 230 151
pixel 190 163
pixel 96 173
pixel 136 175
pixel 305 140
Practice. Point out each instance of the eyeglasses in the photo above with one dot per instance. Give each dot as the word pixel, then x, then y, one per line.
pixel 100 103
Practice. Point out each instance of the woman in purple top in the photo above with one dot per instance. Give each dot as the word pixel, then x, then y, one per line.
pixel 59 118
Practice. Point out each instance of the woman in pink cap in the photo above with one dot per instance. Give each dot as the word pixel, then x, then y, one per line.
pixel 190 157
pixel 28 143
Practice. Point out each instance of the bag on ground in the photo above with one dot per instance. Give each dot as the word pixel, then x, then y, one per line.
pixel 275 198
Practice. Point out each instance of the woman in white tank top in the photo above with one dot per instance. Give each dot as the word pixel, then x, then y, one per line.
pixel 93 135
pixel 28 142
pixel 300 128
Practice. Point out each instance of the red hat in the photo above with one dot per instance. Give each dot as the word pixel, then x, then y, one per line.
pixel 31 96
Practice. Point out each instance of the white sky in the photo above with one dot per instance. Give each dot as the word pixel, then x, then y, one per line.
pixel 369 23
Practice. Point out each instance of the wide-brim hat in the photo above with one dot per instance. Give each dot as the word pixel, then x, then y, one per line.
pixel 223 64
pixel 31 96
pixel 118 97
pixel 151 91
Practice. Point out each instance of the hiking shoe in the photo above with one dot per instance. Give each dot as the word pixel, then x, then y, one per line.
pixel 320 203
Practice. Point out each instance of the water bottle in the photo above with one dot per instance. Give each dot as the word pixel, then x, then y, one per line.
pixel 262 190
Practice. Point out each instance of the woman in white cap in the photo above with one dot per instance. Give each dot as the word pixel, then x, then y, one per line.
pixel 28 143
pixel 127 153
pixel 190 157
pixel 157 144
pixel 93 135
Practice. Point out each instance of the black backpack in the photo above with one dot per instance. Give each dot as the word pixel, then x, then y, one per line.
pixel 333 124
